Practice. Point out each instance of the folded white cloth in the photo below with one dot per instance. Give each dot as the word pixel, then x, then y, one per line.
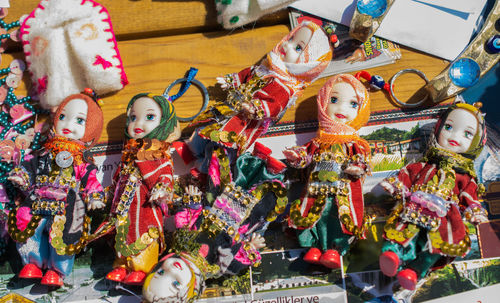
pixel 70 45
pixel 235 13
pixel 4 3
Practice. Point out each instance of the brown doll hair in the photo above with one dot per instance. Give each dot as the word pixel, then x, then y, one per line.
pixel 94 122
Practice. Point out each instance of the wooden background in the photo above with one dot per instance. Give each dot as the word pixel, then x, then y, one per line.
pixel 159 40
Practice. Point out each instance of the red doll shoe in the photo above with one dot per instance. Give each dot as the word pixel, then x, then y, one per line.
pixel 313 255
pixel 135 278
pixel 330 259
pixel 118 274
pixel 407 278
pixel 30 271
pixel 389 263
pixel 184 152
pixel 51 278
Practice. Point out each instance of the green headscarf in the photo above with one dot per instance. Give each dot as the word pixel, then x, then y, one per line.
pixel 168 120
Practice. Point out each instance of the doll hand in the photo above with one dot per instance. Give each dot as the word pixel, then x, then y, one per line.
pixel 257 241
pixel 248 108
pixel 476 219
pixel 160 196
pixel 192 190
pixel 291 155
pixel 96 204
pixel 18 180
pixel 357 55
pixel 223 83
pixel 354 171
pixel 388 187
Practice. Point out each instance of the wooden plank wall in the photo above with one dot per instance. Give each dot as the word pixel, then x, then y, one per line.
pixel 159 40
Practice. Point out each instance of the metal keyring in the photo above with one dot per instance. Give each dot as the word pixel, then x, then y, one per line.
pixel 188 80
pixel 406 71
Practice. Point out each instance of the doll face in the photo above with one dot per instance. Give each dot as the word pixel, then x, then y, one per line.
pixel 458 131
pixel 343 106
pixel 72 119
pixel 290 50
pixel 170 281
pixel 143 117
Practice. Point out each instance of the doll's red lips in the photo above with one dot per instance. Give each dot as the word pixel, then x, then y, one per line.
pixel 178 265
pixel 138 130
pixel 282 51
pixel 340 116
pixel 66 131
pixel 453 143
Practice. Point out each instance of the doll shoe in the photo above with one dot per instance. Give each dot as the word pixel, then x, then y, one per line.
pixel 313 255
pixel 184 152
pixel 407 278
pixel 389 263
pixel 51 278
pixel 135 278
pixel 118 274
pixel 330 259
pixel 30 271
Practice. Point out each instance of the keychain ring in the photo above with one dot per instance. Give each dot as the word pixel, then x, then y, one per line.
pixel 188 82
pixel 406 71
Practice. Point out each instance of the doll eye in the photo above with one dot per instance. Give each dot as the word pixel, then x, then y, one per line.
pixel 298 48
pixel 80 121
pixel 468 135
pixel 354 104
pixel 333 100
pixel 133 118
pixel 150 117
pixel 61 117
pixel 447 126
pixel 161 272
pixel 176 284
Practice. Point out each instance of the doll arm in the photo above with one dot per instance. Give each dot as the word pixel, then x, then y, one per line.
pixel 160 183
pixel 248 253
pixel 474 212
pixel 401 184
pixel 24 175
pixel 92 190
pixel 234 80
pixel 270 100
pixel 357 165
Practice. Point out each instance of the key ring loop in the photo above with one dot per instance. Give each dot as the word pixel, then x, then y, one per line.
pixel 186 83
pixel 391 87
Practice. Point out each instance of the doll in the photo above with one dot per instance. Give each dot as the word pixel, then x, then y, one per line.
pixel 143 186
pixel 330 213
pixel 434 196
pixel 50 226
pixel 258 96
pixel 222 239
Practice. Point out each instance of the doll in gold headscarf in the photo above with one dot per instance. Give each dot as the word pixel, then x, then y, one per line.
pixel 330 213
pixel 434 196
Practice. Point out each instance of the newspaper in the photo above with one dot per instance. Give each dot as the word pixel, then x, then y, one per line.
pixel 351 55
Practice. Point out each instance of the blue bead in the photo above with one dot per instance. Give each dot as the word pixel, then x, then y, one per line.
pixel 374 8
pixel 493 44
pixel 377 82
pixel 464 72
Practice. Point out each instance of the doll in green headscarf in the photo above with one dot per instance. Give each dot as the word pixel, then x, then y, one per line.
pixel 142 187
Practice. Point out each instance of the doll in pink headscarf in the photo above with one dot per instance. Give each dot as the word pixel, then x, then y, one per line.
pixel 258 96
pixel 330 213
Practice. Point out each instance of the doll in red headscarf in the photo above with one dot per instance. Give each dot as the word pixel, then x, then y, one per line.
pixel 50 226
pixel 258 96
pixel 434 197
pixel 330 214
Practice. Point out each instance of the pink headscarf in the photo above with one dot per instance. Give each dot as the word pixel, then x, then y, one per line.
pixel 311 63
pixel 326 123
